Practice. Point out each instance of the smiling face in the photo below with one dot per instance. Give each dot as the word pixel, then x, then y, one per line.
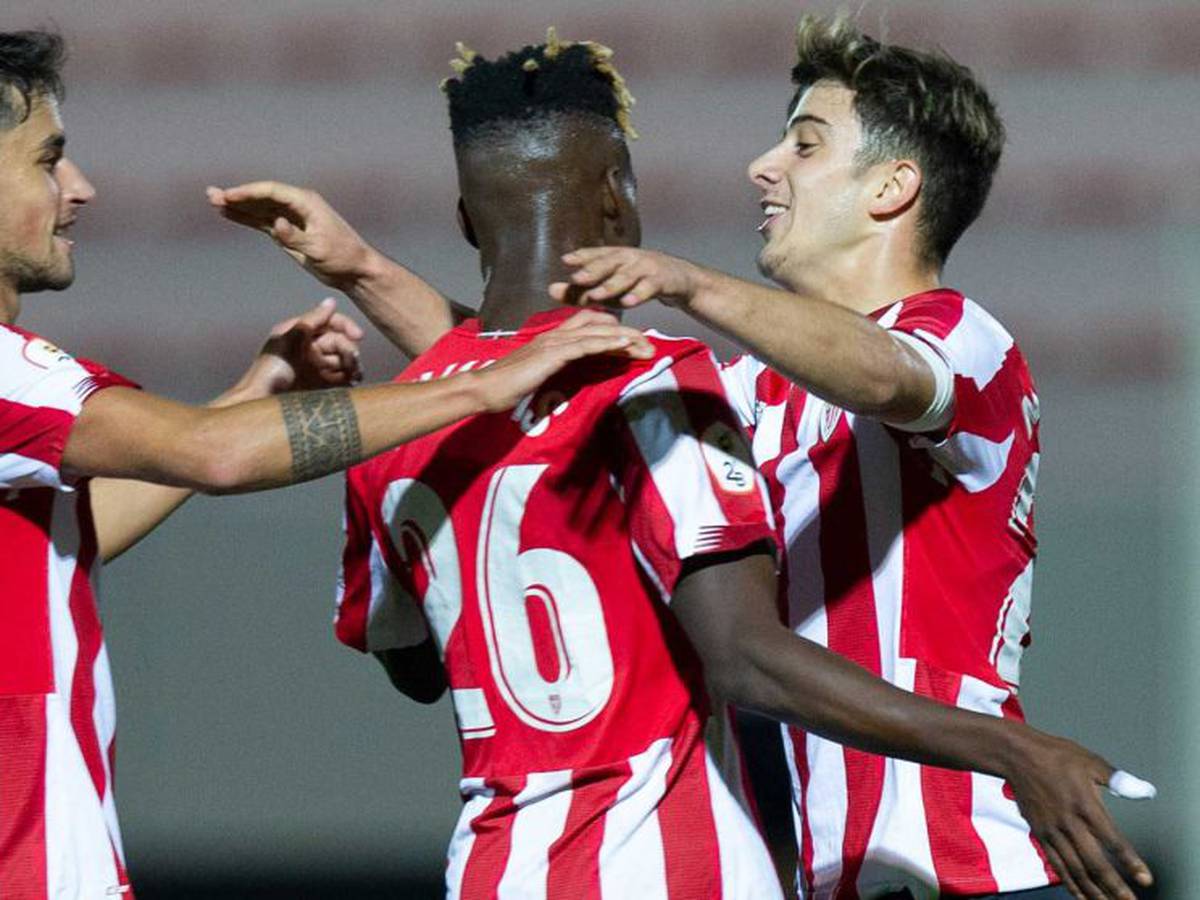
pixel 40 193
pixel 816 196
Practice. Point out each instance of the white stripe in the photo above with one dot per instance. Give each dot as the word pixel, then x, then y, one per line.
pixel 1014 862
pixel 808 618
pixel 471 711
pixel 105 721
pixel 54 384
pixel 463 839
pixel 740 380
pixel 18 471
pixel 747 872
pixel 663 433
pixel 631 854
pixel 79 856
pixel 542 808
pixel 394 620
pixel 898 853
pixel 978 345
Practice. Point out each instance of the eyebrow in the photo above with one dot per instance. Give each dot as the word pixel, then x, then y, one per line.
pixel 801 119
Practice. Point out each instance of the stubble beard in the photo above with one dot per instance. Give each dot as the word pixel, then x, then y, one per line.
pixel 31 276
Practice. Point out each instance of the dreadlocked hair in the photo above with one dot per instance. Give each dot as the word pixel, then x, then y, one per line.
pixel 568 77
pixel 914 104
pixel 30 64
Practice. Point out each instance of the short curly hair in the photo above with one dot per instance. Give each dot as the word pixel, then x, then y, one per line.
pixel 30 64
pixel 921 105
pixel 535 82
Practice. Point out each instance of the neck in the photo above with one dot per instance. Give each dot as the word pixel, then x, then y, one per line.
pixel 10 304
pixel 518 268
pixel 863 282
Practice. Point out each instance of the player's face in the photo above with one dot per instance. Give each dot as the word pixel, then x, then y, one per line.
pixel 814 195
pixel 40 193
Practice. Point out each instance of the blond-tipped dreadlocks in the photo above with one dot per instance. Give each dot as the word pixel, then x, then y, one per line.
pixel 554 77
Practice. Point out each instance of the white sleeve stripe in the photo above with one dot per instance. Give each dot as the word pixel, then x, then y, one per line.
pixel 19 472
pixel 941 407
pixel 672 454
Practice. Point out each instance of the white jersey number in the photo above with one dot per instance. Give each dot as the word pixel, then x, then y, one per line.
pixel 572 681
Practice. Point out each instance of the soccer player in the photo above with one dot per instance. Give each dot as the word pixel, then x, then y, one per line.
pixel 64 420
pixel 897 425
pixel 536 577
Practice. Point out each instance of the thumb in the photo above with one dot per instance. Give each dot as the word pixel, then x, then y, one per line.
pixel 318 317
pixel 286 233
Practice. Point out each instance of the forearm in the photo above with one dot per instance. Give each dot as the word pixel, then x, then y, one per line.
pixel 404 307
pixel 839 355
pixel 125 511
pixel 302 436
pixel 262 443
pixel 796 681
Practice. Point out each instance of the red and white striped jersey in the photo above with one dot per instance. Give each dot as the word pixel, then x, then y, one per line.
pixel 58 823
pixel 541 547
pixel 913 556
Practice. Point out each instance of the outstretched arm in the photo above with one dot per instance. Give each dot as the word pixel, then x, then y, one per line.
pixel 409 312
pixel 841 356
pixel 314 350
pixel 125 433
pixel 754 661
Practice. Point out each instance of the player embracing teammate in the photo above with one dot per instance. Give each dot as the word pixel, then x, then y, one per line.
pixel 893 419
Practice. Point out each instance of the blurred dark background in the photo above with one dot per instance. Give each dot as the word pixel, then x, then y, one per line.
pixel 259 758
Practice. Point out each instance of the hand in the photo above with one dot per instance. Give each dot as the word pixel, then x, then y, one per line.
pixel 1057 785
pixel 318 349
pixel 626 277
pixel 587 333
pixel 306 227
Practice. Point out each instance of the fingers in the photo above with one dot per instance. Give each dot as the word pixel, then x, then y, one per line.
pixel 590 324
pixel 299 200
pixel 334 355
pixel 1101 825
pixel 318 317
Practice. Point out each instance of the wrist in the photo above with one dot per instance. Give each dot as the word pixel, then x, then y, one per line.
pixel 367 272
pixel 478 392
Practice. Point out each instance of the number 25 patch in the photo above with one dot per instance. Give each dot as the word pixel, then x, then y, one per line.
pixel 726 454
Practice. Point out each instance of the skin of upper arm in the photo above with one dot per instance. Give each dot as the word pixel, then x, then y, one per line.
pixel 126 433
pixel 416 672
pixel 724 601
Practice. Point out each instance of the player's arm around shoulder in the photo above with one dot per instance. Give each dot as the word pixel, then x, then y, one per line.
pixel 839 355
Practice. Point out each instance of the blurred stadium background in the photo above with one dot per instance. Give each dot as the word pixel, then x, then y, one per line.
pixel 259 758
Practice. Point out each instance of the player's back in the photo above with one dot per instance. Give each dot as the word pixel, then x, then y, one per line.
pixel 542 546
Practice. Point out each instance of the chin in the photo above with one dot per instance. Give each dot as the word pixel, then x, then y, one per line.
pixel 49 278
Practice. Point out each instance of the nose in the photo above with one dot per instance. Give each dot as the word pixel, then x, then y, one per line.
pixel 764 171
pixel 76 189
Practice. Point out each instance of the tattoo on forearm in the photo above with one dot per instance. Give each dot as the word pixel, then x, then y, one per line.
pixel 322 429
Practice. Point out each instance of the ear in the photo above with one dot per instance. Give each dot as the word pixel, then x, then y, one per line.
pixel 622 225
pixel 465 226
pixel 896 189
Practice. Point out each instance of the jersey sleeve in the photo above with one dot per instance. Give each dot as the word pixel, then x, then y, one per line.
pixel 994 404
pixel 42 390
pixel 686 473
pixel 739 377
pixel 374 611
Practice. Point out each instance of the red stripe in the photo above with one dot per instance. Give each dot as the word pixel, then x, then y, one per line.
pixel 493 841
pixel 35 432
pixel 852 623
pixel 799 742
pixel 1011 709
pixel 22 796
pixel 689 832
pixel 704 399
pixel 574 857
pixel 26 657
pixel 960 857
pixel 350 626
pixel 90 636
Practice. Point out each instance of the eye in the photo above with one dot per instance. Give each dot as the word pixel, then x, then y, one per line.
pixel 803 148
